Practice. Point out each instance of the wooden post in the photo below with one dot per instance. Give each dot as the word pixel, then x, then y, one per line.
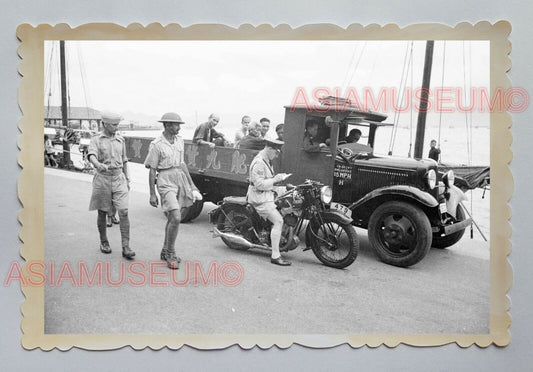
pixel 421 124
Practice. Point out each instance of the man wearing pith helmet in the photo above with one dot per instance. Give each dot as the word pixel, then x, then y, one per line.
pixel 111 184
pixel 174 184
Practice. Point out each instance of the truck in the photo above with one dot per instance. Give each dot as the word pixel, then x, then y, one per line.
pixel 405 204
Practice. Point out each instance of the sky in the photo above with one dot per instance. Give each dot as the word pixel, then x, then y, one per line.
pixel 144 79
pixel 233 78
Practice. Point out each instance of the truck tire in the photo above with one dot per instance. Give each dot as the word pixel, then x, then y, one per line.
pixel 400 233
pixel 443 242
pixel 193 211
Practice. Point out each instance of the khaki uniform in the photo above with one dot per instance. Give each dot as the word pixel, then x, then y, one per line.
pixel 173 184
pixel 110 188
pixel 261 190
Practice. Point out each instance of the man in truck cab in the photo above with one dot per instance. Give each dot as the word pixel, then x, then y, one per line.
pixel 311 142
pixel 353 136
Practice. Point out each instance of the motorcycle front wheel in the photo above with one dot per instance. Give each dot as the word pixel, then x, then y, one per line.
pixel 334 242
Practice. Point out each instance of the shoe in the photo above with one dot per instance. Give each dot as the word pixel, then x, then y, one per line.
pixel 109 221
pixel 163 254
pixel 127 252
pixel 105 248
pixel 172 260
pixel 280 261
pixel 115 220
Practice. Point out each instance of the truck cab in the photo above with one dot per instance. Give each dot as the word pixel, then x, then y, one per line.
pixel 405 204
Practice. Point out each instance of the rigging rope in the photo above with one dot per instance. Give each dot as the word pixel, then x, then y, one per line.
pixel 49 82
pixel 411 111
pixel 399 98
pixel 83 78
pixel 344 80
pixel 468 124
pixel 442 86
pixel 468 139
pixel 67 83
pixel 356 65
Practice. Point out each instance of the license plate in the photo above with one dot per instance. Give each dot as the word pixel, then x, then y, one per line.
pixel 341 208
pixel 442 208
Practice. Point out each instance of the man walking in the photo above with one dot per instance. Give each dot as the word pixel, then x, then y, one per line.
pixel 111 184
pixel 174 184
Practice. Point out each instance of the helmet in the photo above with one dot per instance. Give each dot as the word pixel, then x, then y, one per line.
pixel 111 117
pixel 171 117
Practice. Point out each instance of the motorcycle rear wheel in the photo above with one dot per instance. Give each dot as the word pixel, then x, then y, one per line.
pixel 334 242
pixel 234 217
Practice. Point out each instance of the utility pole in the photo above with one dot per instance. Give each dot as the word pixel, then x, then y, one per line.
pixel 421 123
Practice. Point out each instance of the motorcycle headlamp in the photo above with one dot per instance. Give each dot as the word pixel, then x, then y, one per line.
pixel 326 194
pixel 449 178
pixel 431 179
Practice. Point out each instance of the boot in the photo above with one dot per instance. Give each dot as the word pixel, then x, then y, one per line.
pixel 127 252
pixel 172 260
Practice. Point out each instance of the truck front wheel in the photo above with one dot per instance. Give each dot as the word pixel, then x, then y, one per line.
pixel 442 242
pixel 400 233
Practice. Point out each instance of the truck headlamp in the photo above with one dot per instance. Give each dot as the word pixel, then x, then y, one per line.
pixel 431 179
pixel 449 178
pixel 326 194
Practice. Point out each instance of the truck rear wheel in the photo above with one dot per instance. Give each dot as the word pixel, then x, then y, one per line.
pixel 442 242
pixel 193 211
pixel 400 233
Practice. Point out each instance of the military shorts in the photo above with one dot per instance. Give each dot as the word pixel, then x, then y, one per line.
pixel 175 189
pixel 109 191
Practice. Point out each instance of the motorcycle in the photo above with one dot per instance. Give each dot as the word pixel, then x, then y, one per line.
pixel 328 231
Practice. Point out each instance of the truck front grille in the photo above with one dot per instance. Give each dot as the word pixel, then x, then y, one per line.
pixel 368 179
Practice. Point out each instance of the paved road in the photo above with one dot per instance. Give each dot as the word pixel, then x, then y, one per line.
pixel 447 293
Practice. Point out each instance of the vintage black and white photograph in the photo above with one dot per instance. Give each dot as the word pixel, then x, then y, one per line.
pixel 310 191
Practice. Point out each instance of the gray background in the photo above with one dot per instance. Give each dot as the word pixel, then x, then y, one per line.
pixel 516 357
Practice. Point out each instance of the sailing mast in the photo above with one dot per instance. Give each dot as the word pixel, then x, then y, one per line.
pixel 421 123
pixel 64 112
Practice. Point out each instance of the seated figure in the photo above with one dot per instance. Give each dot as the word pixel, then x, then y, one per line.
pixel 253 139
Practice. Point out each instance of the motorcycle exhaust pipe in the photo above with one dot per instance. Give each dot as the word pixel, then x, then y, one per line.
pixel 237 239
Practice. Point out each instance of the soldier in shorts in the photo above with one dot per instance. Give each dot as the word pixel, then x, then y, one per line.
pixel 111 183
pixel 174 183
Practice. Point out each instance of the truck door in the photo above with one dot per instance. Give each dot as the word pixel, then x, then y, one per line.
pixel 317 166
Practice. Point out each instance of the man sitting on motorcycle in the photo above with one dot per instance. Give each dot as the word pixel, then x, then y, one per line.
pixel 261 193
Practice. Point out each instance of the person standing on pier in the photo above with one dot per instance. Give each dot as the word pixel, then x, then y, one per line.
pixel 111 184
pixel 434 151
pixel 174 184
